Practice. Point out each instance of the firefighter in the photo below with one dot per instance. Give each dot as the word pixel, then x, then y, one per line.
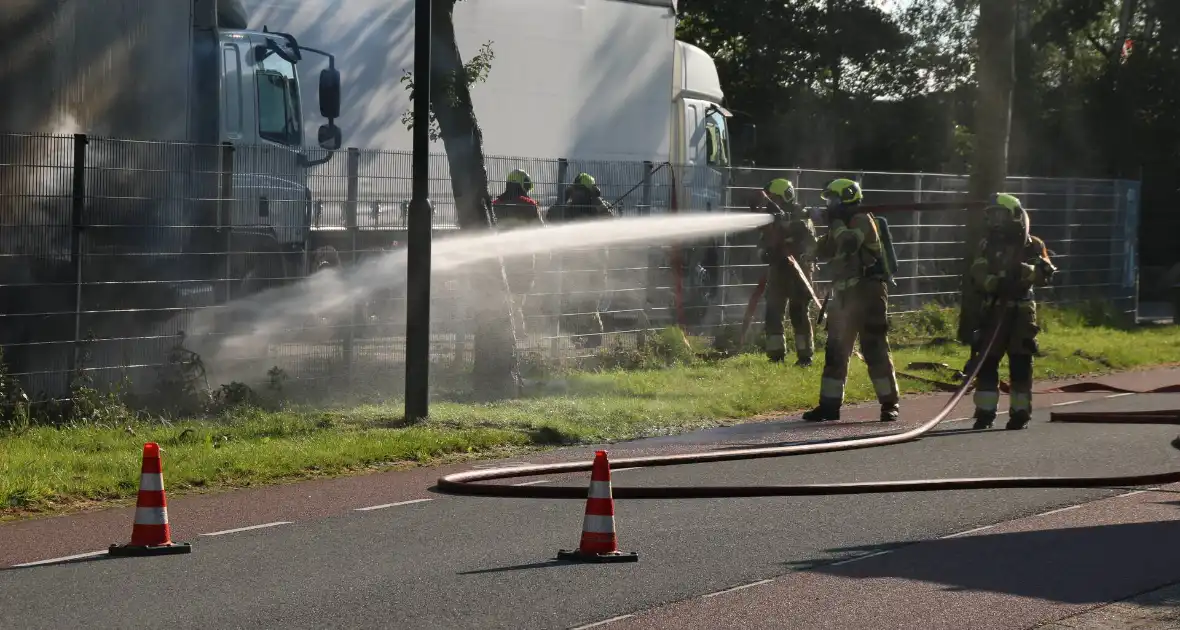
pixel 582 273
pixel 514 209
pixel 790 234
pixel 1010 262
pixel 859 302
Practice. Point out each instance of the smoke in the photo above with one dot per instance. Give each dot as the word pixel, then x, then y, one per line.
pixel 282 315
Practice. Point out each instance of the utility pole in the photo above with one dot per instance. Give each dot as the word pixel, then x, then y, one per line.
pixel 418 229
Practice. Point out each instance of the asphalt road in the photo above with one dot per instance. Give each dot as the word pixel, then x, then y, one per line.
pixel 460 562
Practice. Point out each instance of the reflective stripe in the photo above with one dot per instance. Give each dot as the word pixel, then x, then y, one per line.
pixel 985 400
pixel 775 342
pixel 803 342
pixel 599 490
pixel 883 386
pixel 831 388
pixel 1020 401
pixel 151 516
pixel 151 482
pixel 595 524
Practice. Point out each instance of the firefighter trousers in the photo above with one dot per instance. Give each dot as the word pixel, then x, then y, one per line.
pixel 785 291
pixel 860 310
pixel 1016 338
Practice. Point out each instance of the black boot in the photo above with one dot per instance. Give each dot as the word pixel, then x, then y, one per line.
pixel 984 419
pixel 1018 420
pixel 890 412
pixel 776 356
pixel 825 412
pixel 803 361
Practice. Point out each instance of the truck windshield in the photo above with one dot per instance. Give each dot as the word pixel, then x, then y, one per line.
pixel 717 137
pixel 278 102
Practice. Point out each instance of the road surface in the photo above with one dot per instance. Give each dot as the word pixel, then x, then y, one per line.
pixel 384 551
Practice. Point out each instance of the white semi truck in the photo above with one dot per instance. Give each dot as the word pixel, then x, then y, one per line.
pixel 582 80
pixel 602 84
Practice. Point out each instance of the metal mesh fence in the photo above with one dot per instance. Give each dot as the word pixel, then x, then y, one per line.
pixel 113 252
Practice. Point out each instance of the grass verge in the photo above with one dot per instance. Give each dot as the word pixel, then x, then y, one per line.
pixel 47 469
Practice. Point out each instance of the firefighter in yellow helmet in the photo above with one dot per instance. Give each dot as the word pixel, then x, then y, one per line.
pixel 1009 263
pixel 514 209
pixel 583 274
pixel 790 234
pixel 859 302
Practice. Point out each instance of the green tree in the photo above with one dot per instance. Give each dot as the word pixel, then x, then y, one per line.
pixel 993 116
pixel 496 372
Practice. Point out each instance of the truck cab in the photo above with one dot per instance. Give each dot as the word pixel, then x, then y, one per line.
pixel 262 116
pixel 701 150
pixel 700 130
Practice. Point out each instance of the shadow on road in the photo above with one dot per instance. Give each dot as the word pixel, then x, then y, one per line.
pixel 1081 565
pixel 932 434
pixel 520 567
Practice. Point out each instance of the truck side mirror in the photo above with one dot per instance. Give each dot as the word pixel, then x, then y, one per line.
pixel 329 137
pixel 330 93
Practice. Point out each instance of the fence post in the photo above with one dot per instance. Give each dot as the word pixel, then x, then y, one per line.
pixel 350 224
pixel 225 200
pixel 77 226
pixel 915 285
pixel 563 167
pixel 649 280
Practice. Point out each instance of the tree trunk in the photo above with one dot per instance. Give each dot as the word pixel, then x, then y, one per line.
pixel 993 119
pixel 496 373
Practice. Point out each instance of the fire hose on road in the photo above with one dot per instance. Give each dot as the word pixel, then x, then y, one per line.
pixel 466 483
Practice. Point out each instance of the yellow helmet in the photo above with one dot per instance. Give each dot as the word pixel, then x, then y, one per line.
pixel 1005 212
pixel 519 176
pixel 842 191
pixel 584 180
pixel 781 187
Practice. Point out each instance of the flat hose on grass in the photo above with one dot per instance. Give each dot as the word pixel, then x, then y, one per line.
pixel 466 483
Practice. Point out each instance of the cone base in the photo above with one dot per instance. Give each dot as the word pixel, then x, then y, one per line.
pixel 150 550
pixel 577 555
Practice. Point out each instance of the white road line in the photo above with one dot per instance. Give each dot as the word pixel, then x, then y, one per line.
pixel 531 483
pixel 970 531
pixel 389 505
pixel 246 529
pixel 861 557
pixel 1068 402
pixel 90 554
pixel 1060 510
pixel 1120 395
pixel 615 470
pixel 603 622
pixel 738 588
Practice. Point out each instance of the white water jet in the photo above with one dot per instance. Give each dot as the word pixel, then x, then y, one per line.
pixel 280 310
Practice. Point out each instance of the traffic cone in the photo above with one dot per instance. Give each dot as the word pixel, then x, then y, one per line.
pixel 599 542
pixel 150 533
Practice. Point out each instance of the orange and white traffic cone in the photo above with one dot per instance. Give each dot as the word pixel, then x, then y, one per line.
pixel 150 533
pixel 599 542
